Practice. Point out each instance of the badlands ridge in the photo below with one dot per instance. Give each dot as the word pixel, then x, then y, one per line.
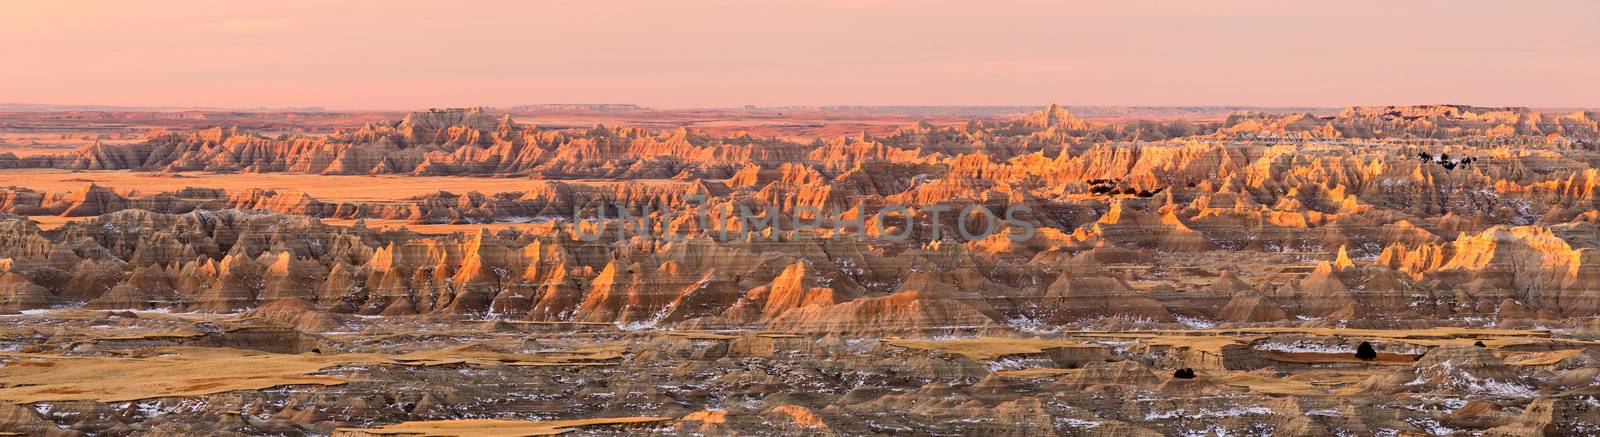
pixel 1334 226
pixel 1255 249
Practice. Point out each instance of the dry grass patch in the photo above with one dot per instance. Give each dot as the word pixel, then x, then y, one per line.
pixel 479 354
pixel 1335 379
pixel 536 322
pixel 1383 359
pixel 488 427
pixel 700 335
pixel 1541 358
pixel 195 371
pixel 1436 333
pixel 1210 343
pixel 1035 373
pixel 134 334
pixel 1269 385
pixel 986 348
pixel 174 372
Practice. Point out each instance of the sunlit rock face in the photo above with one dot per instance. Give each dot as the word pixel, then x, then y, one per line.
pixel 1347 217
pixel 1338 216
pixel 1043 273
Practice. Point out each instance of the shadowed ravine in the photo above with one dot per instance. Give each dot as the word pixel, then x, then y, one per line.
pixel 1257 250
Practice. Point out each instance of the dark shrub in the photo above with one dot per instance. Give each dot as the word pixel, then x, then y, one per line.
pixel 1366 352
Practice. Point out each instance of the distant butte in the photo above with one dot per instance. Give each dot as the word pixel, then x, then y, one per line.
pixel 1145 276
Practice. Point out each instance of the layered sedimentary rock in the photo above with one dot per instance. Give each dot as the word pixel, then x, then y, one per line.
pixel 1409 215
pixel 1136 278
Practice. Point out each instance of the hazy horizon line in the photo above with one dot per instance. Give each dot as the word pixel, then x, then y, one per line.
pixel 48 107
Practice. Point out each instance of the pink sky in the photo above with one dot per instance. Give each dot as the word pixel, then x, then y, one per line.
pixel 401 55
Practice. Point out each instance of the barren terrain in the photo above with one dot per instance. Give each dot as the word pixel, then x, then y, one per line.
pixel 465 272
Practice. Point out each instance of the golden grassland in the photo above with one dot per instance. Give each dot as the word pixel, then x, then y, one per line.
pixel 1541 358
pixel 488 427
pixel 1213 340
pixel 183 371
pixel 986 348
pixel 1270 385
pixel 26 151
pixel 1035 373
pixel 195 371
pixel 171 372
